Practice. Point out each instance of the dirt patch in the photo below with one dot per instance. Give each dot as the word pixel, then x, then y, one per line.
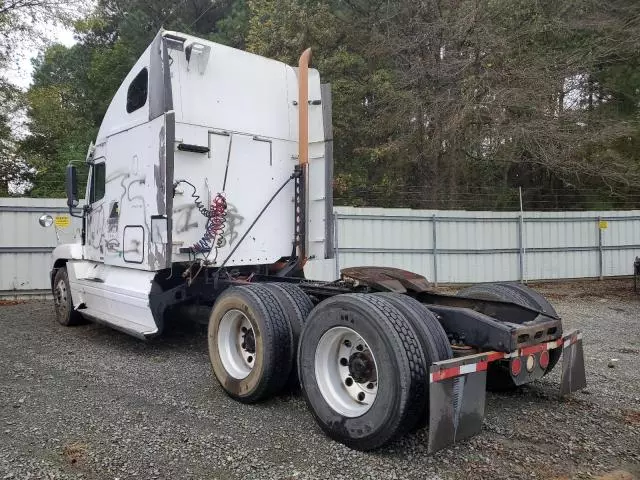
pixel 74 452
pixel 10 302
pixel 632 417
pixel 610 288
pixel 619 288
pixel 616 475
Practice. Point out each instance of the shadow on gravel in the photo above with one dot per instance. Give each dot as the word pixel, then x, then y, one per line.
pixel 178 334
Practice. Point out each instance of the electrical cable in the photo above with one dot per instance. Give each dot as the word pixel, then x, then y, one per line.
pixel 216 215
pixel 213 238
pixel 293 175
pixel 197 199
pixel 202 15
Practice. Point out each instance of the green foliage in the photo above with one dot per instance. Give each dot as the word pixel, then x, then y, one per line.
pixel 444 104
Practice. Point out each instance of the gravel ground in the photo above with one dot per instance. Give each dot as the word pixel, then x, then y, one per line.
pixel 89 402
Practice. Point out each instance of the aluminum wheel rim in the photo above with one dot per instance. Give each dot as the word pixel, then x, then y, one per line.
pixel 346 392
pixel 61 298
pixel 235 346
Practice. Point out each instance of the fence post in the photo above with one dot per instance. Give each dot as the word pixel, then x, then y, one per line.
pixel 521 246
pixel 600 259
pixel 336 246
pixel 434 223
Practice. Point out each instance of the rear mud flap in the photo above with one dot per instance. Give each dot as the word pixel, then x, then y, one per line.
pixel 573 373
pixel 457 394
pixel 457 388
pixel 459 409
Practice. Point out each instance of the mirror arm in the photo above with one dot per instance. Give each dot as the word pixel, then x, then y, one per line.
pixel 85 209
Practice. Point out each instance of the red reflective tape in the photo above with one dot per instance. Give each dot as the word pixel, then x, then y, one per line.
pixel 492 357
pixel 482 366
pixel 446 373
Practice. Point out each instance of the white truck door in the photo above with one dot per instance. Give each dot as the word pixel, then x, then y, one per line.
pixel 96 217
pixel 130 219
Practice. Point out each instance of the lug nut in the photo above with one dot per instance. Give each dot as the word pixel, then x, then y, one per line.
pixel 249 359
pixel 244 346
pixel 370 386
pixel 344 362
pixel 347 343
pixel 361 396
pixel 244 329
pixel 359 348
pixel 349 381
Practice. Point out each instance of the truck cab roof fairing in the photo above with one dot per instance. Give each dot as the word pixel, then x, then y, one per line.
pixel 159 98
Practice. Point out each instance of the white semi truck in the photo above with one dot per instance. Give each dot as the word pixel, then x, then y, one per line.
pixel 211 184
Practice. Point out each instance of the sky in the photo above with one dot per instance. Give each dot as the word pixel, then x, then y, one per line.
pixel 21 75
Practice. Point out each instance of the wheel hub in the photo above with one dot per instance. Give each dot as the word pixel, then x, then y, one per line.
pixel 362 367
pixel 236 344
pixel 249 341
pixel 346 371
pixel 60 297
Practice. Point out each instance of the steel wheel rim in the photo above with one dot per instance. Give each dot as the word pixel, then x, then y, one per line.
pixel 346 372
pixel 61 297
pixel 236 344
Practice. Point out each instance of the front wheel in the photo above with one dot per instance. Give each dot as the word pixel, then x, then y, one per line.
pixel 65 313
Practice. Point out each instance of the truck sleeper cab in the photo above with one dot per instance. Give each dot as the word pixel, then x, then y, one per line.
pixel 210 184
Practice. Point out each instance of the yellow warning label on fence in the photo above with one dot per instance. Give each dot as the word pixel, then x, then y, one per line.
pixel 604 224
pixel 62 221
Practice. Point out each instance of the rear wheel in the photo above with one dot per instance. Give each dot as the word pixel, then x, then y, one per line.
pixel 296 306
pixel 65 313
pixel 361 368
pixel 250 343
pixel 432 337
pixel 498 374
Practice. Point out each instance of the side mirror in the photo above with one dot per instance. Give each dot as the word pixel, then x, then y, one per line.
pixel 71 186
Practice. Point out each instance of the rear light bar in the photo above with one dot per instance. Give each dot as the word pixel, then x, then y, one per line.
pixel 480 361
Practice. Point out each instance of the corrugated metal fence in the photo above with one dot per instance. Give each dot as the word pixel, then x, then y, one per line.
pixel 25 246
pixel 468 247
pixel 444 246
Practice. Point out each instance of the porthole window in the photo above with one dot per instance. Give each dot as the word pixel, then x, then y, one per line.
pixel 137 93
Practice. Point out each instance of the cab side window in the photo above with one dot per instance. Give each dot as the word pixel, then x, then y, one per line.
pixel 137 92
pixel 98 182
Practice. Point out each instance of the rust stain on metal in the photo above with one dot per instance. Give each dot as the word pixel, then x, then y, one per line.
pixel 303 107
pixel 387 278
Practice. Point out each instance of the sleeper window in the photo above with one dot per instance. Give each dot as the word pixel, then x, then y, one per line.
pixel 137 93
pixel 98 177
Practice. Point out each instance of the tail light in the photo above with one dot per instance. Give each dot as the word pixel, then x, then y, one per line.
pixel 531 363
pixel 516 366
pixel 544 359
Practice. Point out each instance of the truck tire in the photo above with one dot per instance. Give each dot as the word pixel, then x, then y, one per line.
pixel 250 343
pixel 296 306
pixel 349 342
pixel 432 337
pixel 63 303
pixel 498 375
